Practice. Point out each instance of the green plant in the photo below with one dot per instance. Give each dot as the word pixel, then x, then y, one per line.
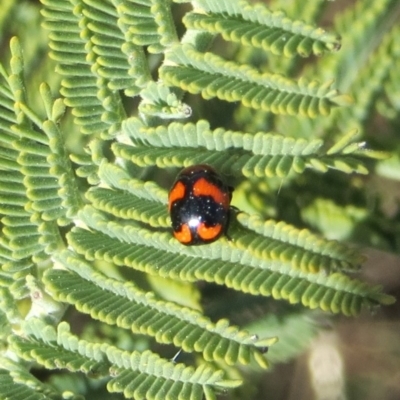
pixel 83 192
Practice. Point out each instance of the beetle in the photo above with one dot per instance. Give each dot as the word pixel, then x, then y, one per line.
pixel 199 205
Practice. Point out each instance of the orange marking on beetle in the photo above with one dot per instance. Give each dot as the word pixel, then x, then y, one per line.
pixel 184 235
pixel 209 232
pixel 176 193
pixel 203 187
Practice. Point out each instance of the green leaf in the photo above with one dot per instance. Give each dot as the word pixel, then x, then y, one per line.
pixel 17 391
pixel 248 264
pixel 261 154
pixel 257 26
pixel 212 76
pixel 149 373
pixel 131 308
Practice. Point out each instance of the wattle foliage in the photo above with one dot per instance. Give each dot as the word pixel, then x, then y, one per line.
pixel 84 181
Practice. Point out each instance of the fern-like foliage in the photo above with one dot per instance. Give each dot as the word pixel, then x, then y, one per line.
pixel 16 224
pixel 261 154
pixel 136 375
pixel 18 383
pixel 83 199
pixel 259 27
pixel 131 308
pixel 95 104
pixel 35 168
pixel 362 69
pixel 212 76
pixel 247 263
pixel 14 390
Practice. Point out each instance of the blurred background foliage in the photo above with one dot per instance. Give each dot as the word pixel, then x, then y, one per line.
pixel 320 357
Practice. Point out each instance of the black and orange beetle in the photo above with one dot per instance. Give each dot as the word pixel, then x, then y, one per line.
pixel 199 205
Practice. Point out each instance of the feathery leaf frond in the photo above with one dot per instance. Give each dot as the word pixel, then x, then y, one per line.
pixel 106 43
pixel 20 241
pixel 10 389
pixel 57 195
pixel 125 199
pixel 250 265
pixel 262 154
pixel 25 384
pixel 150 23
pixel 103 244
pixel 257 26
pixel 212 76
pixel 131 308
pixel 41 189
pixel 79 47
pixel 136 375
pixel 159 101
